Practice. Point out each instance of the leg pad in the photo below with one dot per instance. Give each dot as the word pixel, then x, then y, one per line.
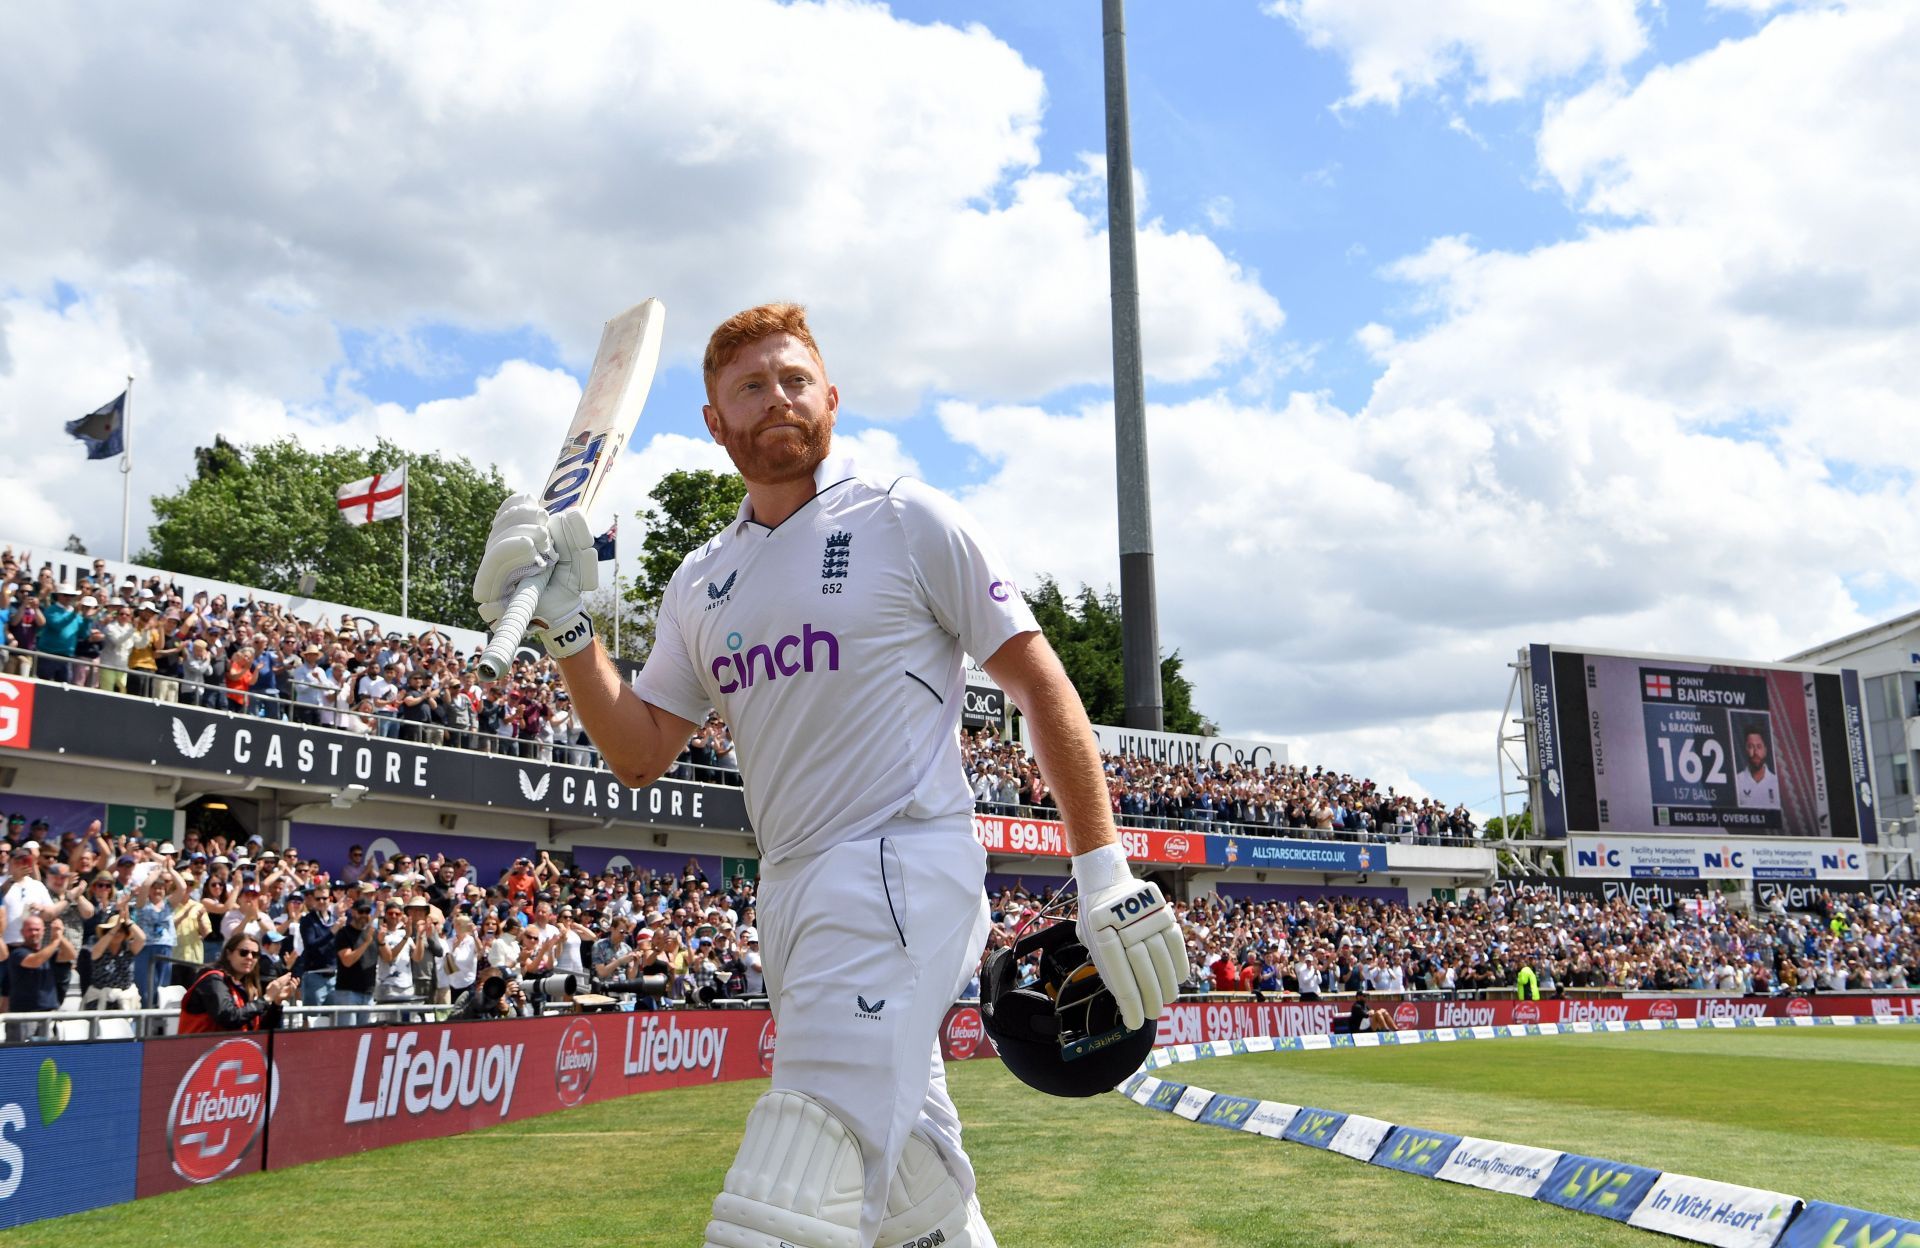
pixel 796 1182
pixel 924 1205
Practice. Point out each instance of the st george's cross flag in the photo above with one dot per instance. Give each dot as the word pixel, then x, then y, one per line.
pixel 381 496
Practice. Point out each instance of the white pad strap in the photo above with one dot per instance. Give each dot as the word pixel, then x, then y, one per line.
pixel 797 1181
pixel 924 1205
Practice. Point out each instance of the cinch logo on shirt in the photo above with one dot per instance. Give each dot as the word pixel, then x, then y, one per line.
pixel 736 670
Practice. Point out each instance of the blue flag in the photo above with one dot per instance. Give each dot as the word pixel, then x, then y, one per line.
pixel 103 430
pixel 603 545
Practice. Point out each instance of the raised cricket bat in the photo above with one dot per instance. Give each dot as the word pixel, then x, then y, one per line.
pixel 616 390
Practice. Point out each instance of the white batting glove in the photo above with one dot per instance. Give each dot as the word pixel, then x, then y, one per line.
pixel 524 542
pixel 1130 933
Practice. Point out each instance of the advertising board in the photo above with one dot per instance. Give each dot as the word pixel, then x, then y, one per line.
pixel 1047 838
pixel 1672 858
pixel 65 1140
pixel 1186 749
pixel 1194 1022
pixel 1278 854
pixel 1635 744
pixel 367 1088
pixel 176 737
pixel 205 1102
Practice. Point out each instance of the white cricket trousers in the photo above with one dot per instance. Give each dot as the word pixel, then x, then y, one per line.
pixel 865 945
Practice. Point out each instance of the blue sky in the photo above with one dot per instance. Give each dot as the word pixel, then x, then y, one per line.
pixel 1468 325
pixel 1237 134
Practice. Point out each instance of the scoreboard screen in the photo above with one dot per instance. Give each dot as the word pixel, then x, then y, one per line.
pixel 1630 743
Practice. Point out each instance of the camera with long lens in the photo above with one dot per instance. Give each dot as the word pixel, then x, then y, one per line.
pixel 651 986
pixel 550 991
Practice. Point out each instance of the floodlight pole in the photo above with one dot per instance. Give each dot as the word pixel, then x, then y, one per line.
pixel 1139 615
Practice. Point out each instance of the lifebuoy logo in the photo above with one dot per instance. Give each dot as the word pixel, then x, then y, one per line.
pixel 1526 1012
pixel 769 1040
pixel 1578 1011
pixel 16 714
pixel 1406 1015
pixel 1799 1007
pixel 1177 848
pixel 574 1062
pixel 219 1110
pixel 962 1033
pixel 1663 1009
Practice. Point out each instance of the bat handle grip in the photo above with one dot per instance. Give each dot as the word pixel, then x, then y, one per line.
pixel 497 659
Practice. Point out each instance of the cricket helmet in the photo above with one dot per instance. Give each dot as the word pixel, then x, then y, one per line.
pixel 1061 1034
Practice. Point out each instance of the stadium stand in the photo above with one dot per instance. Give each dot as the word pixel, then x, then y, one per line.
pixel 149 637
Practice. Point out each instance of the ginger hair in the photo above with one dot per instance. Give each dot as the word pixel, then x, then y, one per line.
pixel 750 326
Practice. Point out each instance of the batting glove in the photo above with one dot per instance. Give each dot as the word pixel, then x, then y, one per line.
pixel 1130 933
pixel 526 541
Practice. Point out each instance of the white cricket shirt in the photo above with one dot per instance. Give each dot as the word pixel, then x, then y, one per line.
pixel 1764 791
pixel 832 645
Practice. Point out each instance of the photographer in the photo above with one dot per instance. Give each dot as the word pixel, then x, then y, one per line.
pixel 493 995
pixel 1365 1017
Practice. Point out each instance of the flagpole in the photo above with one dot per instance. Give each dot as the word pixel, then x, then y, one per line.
pixel 616 594
pixel 406 533
pixel 126 471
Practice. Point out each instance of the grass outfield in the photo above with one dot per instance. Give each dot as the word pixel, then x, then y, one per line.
pixel 1826 1114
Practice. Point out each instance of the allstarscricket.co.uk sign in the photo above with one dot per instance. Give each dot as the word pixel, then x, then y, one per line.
pixel 57 719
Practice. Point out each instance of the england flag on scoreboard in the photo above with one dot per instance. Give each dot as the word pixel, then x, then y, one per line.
pixel 381 496
pixel 1658 686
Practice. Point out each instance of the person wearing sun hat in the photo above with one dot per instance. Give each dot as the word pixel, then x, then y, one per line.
pixel 61 634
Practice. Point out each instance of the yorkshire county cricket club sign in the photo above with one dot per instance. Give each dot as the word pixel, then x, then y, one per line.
pixel 169 737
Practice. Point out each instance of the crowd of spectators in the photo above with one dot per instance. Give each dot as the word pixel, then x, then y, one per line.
pixel 153 640
pixel 1196 797
pixel 1313 948
pixel 115 919
pixel 111 920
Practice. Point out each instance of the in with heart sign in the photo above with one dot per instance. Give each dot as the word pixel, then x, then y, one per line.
pixel 56 1092
pixel 65 1113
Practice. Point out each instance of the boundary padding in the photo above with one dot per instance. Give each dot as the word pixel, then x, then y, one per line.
pixel 1702 1210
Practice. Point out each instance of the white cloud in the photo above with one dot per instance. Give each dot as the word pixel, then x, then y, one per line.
pixel 1326 573
pixel 1498 49
pixel 256 182
pixel 1750 257
pixel 1683 429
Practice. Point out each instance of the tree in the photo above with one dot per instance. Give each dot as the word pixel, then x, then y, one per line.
pixel 1086 634
pixel 1517 827
pixel 636 629
pixel 263 515
pixel 74 545
pixel 690 506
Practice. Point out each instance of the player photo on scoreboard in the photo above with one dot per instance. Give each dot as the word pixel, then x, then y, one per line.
pixel 1703 748
pixel 1755 785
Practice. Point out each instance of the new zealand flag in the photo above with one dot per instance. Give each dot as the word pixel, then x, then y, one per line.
pixel 103 430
